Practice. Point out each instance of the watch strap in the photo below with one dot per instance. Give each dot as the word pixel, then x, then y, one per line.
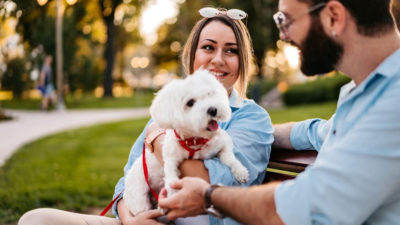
pixel 209 207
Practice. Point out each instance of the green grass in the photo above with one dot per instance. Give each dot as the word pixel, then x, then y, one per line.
pixel 140 99
pixel 78 169
pixel 71 170
pixel 90 102
pixel 302 112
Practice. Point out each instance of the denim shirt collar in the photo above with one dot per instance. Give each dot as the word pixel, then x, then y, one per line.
pixel 387 69
pixel 390 65
pixel 235 100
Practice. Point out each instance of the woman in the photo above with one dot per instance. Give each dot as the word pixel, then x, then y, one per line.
pixel 221 44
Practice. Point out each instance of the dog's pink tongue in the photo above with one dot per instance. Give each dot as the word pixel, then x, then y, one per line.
pixel 212 125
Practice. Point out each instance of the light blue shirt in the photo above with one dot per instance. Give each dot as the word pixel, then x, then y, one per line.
pixel 251 131
pixel 356 176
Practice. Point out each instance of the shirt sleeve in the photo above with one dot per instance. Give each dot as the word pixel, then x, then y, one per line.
pixel 252 134
pixel 310 134
pixel 136 152
pixel 355 178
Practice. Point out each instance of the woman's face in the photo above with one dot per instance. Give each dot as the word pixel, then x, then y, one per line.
pixel 217 51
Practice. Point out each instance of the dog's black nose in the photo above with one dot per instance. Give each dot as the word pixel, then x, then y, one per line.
pixel 212 111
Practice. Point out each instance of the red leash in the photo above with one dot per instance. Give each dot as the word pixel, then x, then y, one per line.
pixel 146 174
pixel 105 210
pixel 146 177
pixel 185 143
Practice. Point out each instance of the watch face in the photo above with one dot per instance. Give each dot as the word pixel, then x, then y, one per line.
pixel 214 212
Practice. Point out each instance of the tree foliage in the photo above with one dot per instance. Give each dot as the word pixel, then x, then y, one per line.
pixel 89 33
pixel 16 78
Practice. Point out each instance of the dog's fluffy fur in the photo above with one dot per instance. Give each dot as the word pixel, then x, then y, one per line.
pixel 191 107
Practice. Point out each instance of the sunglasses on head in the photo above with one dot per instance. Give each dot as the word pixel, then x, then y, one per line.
pixel 236 14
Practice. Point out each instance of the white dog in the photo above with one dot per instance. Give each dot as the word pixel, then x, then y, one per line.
pixel 189 110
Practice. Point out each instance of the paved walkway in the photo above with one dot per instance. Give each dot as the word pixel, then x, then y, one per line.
pixel 31 125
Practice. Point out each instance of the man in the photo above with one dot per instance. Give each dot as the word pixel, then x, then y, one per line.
pixel 355 179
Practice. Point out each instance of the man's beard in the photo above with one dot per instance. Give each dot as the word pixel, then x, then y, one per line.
pixel 319 53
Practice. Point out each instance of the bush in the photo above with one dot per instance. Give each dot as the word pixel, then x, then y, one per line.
pixel 16 77
pixel 319 90
pixel 259 87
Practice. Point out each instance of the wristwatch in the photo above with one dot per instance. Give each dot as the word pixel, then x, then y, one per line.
pixel 209 207
pixel 148 141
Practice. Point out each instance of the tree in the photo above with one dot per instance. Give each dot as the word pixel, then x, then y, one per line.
pixel 16 77
pixel 176 32
pixel 36 26
pixel 88 28
pixel 108 9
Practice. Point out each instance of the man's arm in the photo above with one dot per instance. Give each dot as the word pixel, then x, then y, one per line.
pixel 254 205
pixel 282 135
pixel 304 135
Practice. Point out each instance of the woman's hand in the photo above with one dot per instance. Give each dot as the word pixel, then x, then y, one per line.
pixel 144 218
pixel 148 217
pixel 188 201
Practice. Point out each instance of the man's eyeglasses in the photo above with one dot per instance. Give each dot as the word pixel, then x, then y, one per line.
pixel 283 22
pixel 235 14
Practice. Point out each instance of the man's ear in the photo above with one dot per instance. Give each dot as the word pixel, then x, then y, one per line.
pixel 334 18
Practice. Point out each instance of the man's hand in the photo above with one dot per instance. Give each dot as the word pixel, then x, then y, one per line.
pixel 188 201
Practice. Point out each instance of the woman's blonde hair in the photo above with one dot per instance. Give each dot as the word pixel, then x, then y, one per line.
pixel 245 50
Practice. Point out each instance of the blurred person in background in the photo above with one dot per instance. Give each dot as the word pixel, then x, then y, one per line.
pixel 46 84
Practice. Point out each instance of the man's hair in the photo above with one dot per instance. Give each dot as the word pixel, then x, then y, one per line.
pixel 245 49
pixel 373 17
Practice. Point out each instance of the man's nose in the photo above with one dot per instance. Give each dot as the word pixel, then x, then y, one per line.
pixel 281 35
pixel 284 35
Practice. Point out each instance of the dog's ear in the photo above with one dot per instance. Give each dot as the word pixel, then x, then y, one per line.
pixel 162 107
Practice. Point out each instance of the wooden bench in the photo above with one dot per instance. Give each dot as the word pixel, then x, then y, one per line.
pixel 286 164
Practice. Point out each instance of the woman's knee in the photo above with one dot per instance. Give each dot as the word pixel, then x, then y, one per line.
pixel 41 216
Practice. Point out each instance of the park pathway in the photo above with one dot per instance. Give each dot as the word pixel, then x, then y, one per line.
pixel 27 126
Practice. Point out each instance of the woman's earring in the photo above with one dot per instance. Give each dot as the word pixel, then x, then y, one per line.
pixel 334 34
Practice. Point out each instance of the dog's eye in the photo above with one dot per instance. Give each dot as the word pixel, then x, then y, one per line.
pixel 190 103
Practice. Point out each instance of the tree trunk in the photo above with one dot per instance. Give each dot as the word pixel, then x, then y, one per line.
pixel 109 55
